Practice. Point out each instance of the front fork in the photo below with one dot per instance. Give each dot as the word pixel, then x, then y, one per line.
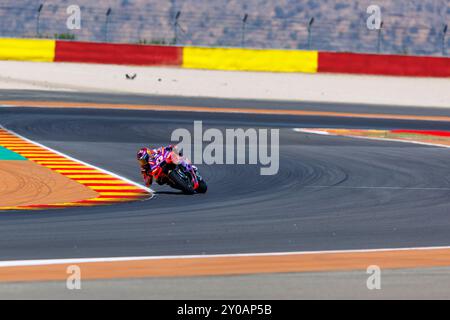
pixel 193 172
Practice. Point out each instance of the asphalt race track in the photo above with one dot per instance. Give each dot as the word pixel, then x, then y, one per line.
pixel 330 192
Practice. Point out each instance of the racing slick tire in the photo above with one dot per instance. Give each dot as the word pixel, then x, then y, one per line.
pixel 181 183
pixel 202 187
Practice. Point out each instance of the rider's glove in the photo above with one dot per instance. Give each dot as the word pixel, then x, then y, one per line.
pixel 148 180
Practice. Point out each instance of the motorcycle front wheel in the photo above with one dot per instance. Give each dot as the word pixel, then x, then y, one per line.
pixel 202 187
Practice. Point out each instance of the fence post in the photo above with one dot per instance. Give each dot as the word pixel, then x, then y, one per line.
pixel 244 22
pixel 444 43
pixel 310 23
pixel 108 13
pixel 38 18
pixel 380 37
pixel 175 26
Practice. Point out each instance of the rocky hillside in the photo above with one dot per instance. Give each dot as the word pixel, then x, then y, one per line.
pixel 410 26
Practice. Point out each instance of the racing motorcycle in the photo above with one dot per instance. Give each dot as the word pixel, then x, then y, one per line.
pixel 178 172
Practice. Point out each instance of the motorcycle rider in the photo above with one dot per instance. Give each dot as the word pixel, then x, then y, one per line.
pixel 147 158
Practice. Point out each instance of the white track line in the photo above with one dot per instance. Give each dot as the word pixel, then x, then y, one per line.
pixel 24 263
pixel 82 162
pixel 324 133
pixel 381 187
pixel 370 138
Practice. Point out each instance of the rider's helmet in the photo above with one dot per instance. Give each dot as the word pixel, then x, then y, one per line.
pixel 143 156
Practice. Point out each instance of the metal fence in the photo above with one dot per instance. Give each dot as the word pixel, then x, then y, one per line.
pixel 400 34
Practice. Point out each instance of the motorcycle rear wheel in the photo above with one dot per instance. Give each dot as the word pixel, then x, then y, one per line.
pixel 181 183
